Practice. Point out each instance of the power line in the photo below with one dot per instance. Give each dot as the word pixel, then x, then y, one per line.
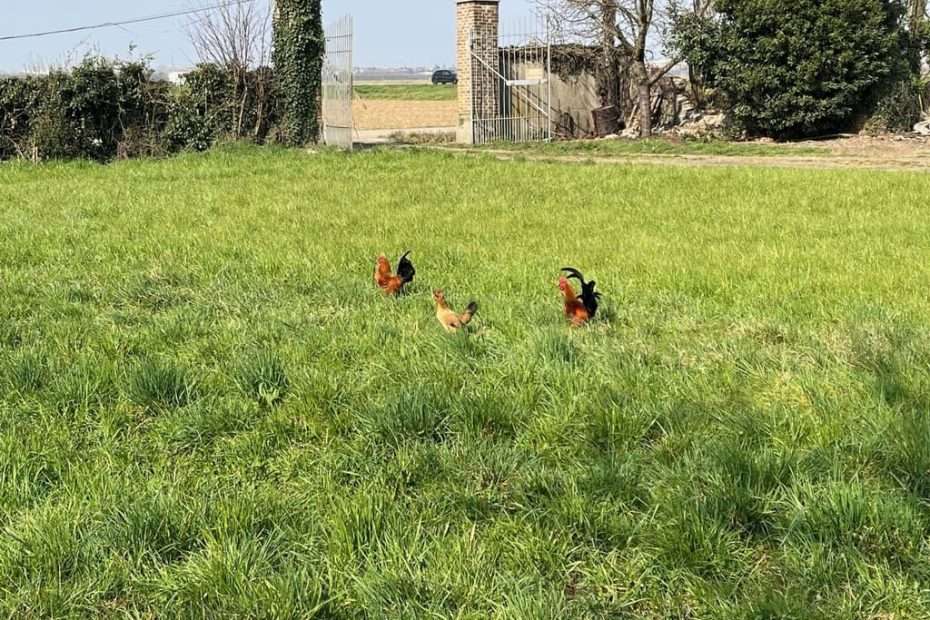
pixel 138 20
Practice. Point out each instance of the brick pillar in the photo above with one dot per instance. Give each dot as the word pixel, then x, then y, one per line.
pixel 476 20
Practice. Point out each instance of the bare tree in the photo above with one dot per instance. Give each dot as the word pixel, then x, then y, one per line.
pixel 624 28
pixel 237 37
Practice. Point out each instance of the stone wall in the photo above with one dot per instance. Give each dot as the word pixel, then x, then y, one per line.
pixel 573 98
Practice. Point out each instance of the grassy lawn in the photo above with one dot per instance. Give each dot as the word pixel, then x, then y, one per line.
pixel 207 411
pixel 659 146
pixel 407 92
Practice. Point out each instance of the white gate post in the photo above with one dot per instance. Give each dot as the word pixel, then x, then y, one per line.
pixel 337 84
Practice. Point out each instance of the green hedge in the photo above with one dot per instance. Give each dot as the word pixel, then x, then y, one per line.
pixel 103 110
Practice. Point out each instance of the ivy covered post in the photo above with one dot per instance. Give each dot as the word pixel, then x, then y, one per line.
pixel 299 46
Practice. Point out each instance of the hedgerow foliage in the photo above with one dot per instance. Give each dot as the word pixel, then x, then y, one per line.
pixel 299 46
pixel 103 109
pixel 788 68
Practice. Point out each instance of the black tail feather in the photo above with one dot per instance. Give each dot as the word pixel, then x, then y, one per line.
pixel 470 310
pixel 405 269
pixel 574 273
pixel 589 296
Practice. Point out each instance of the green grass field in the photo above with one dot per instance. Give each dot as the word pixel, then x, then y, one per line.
pixel 407 92
pixel 207 411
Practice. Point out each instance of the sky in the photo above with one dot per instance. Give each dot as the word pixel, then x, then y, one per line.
pixel 389 33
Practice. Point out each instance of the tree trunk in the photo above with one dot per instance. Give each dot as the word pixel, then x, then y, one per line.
pixel 640 77
pixel 614 84
pixel 608 82
pixel 918 12
pixel 608 87
pixel 696 81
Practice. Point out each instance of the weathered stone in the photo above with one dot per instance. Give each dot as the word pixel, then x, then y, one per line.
pixel 701 125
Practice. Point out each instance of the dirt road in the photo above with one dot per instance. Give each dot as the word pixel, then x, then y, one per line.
pixel 864 155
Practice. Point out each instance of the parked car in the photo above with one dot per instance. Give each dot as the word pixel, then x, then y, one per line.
pixel 445 77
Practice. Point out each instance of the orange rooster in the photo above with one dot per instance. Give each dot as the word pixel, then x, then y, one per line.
pixel 579 309
pixel 393 284
pixel 449 320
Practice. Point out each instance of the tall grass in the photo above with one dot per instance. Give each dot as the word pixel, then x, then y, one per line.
pixel 207 411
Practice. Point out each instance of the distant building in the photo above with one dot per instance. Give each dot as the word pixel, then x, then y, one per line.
pixel 176 77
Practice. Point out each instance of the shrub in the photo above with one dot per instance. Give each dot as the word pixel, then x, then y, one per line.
pixel 89 100
pixel 103 110
pixel 20 100
pixel 900 107
pixel 790 68
pixel 187 128
pixel 231 103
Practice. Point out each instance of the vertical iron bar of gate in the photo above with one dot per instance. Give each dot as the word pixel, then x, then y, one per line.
pixel 511 90
pixel 548 132
pixel 526 125
pixel 337 86
pixel 471 87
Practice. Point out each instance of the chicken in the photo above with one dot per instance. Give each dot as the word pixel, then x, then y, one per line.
pixel 393 284
pixel 451 321
pixel 579 309
pixel 574 308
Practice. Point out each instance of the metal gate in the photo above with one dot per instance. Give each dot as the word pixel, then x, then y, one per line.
pixel 511 93
pixel 337 84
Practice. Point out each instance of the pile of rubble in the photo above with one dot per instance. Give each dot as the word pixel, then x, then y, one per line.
pixel 701 124
pixel 923 128
pixel 675 113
